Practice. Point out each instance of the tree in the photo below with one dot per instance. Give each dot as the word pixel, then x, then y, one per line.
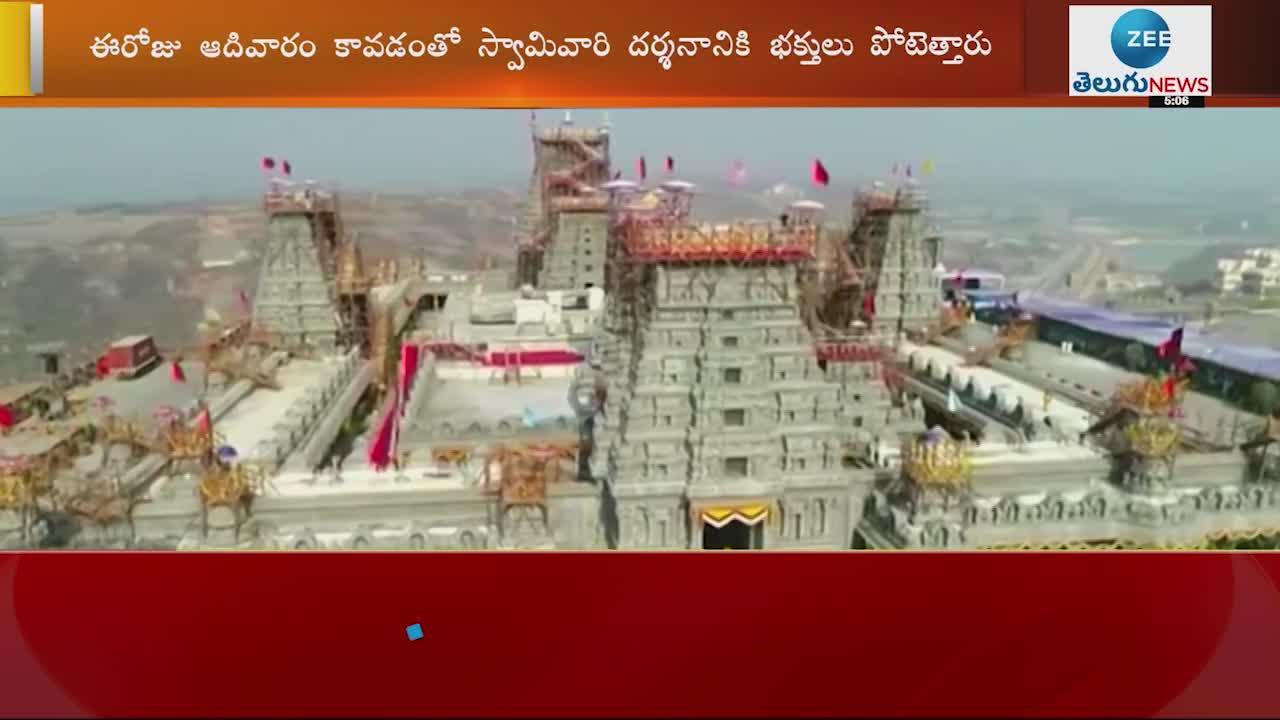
pixel 1263 397
pixel 1135 357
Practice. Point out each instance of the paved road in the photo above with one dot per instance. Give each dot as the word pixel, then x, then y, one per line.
pixel 1085 264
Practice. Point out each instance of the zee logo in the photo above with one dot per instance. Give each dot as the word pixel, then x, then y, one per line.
pixel 1141 38
pixel 1140 51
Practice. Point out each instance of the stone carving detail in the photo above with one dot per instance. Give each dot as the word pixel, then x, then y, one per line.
pixel 1095 506
pixel 1054 508
pixel 1260 497
pixel 1174 514
pixel 1004 513
pixel 936 534
pixel 1235 499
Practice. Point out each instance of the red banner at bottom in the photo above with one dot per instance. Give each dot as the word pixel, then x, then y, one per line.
pixel 859 633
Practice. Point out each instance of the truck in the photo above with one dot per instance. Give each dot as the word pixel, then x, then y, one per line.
pixel 130 356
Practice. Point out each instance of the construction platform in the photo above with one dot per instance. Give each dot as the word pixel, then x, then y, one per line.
pixel 463 404
pixel 509 318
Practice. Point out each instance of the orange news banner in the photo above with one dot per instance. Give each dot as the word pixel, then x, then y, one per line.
pixel 465 77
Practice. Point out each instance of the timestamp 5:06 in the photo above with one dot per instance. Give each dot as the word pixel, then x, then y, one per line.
pixel 1176 101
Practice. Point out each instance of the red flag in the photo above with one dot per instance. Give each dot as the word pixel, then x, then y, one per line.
pixel 671 165
pixel 1171 349
pixel 409 357
pixel 819 174
pixel 268 164
pixel 103 367
pixel 6 417
pixel 175 372
pixel 641 169
pixel 286 168
pixel 381 448
pixel 1170 385
pixel 204 422
pixel 869 305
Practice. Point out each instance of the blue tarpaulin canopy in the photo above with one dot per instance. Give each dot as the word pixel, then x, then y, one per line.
pixel 1254 360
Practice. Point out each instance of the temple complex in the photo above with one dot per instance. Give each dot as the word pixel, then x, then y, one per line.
pixel 644 378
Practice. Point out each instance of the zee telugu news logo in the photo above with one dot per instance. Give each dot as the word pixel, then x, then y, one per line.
pixel 1142 54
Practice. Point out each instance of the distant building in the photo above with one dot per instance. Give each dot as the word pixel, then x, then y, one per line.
pixel 1260 282
pixel 1262 263
pixel 1129 281
pixel 969 279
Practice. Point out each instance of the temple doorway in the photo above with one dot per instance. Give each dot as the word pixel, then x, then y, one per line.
pixel 730 525
pixel 733 535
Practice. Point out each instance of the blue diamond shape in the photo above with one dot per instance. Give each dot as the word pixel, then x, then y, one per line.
pixel 414 631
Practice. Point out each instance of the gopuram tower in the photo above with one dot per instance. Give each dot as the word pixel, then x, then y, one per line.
pixel 561 244
pixel 312 296
pixel 717 427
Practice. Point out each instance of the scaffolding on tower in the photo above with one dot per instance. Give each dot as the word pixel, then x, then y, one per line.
pixel 855 294
pixel 851 271
pixel 338 254
pixel 353 285
pixel 655 228
pixel 570 163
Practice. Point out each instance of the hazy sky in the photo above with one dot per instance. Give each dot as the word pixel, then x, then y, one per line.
pixel 65 157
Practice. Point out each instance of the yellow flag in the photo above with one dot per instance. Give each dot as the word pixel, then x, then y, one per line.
pixel 927 167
